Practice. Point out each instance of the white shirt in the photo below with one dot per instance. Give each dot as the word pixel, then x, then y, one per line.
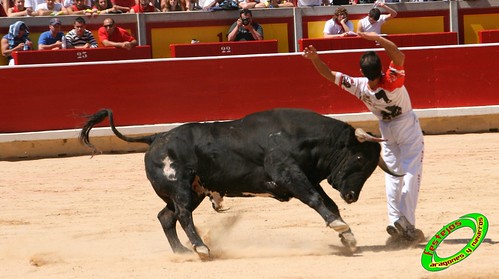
pixel 376 27
pixel 388 101
pixel 333 28
pixel 305 3
pixel 43 6
pixel 68 3
pixel 33 3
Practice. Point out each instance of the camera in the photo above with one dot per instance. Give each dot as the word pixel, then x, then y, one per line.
pixel 245 21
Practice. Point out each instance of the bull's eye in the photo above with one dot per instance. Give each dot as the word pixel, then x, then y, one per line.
pixel 360 159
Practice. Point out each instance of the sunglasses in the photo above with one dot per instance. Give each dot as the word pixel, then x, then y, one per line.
pixel 108 26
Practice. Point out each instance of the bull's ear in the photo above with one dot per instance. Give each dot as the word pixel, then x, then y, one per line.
pixel 362 136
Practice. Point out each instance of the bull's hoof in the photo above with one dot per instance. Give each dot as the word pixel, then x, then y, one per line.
pixel 339 226
pixel 348 240
pixel 203 252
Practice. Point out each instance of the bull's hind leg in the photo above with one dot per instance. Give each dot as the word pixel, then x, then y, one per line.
pixel 184 206
pixel 168 221
pixel 168 218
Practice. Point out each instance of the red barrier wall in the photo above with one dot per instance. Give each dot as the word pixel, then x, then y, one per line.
pixel 488 36
pixel 183 90
pixel 80 55
pixel 224 48
pixel 402 40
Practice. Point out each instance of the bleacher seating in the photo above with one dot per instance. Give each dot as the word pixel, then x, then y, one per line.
pixel 80 55
pixel 223 48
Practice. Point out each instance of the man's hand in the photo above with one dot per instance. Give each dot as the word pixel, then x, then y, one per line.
pixel 248 27
pixel 127 45
pixel 310 52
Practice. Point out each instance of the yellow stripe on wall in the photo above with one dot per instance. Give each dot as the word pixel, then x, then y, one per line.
pixel 474 23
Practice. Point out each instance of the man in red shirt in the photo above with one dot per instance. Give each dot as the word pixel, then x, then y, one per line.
pixel 111 35
pixel 143 6
pixel 123 5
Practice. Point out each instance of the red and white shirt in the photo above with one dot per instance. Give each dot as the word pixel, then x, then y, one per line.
pixel 386 102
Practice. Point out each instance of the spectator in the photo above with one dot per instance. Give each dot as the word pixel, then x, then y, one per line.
pixel 312 3
pixel 173 5
pixel 19 10
pixel 386 96
pixel 113 36
pixel 80 37
pixel 213 4
pixel 52 39
pixel 245 29
pixel 16 40
pixel 374 20
pixel 68 3
pixel 123 5
pixel 33 4
pixel 4 8
pixel 50 7
pixel 79 7
pixel 143 6
pixel 105 7
pixel 248 4
pixel 274 4
pixel 338 25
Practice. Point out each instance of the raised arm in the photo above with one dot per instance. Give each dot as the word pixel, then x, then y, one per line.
pixel 390 10
pixel 311 53
pixel 397 56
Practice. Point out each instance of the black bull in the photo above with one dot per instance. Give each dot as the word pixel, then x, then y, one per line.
pixel 281 153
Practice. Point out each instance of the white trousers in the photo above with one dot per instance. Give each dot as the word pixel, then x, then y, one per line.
pixel 403 152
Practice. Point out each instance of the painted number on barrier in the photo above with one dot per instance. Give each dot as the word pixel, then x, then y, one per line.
pixel 225 49
pixel 81 55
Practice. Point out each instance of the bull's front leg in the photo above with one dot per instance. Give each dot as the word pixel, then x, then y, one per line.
pixel 290 177
pixel 327 208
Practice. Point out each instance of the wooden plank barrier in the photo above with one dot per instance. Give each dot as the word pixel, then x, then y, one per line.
pixel 80 55
pixel 401 40
pixel 488 36
pixel 223 48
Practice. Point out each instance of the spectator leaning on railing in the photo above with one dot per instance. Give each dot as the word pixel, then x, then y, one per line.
pixel 80 37
pixel 18 9
pixel 111 35
pixel 50 7
pixel 143 6
pixel 79 7
pixel 53 38
pixel 105 7
pixel 173 5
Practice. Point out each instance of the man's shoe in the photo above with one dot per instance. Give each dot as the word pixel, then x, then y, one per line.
pixel 403 225
pixel 391 230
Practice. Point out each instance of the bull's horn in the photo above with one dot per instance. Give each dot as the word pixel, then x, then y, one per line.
pixel 362 136
pixel 385 168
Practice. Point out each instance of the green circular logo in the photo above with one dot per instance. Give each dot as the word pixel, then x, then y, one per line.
pixel 476 221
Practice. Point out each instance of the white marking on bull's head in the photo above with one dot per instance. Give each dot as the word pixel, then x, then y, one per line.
pixel 169 172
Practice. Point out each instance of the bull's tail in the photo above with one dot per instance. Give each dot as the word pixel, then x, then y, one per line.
pixel 99 117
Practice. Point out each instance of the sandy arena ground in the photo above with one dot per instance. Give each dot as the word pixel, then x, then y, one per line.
pixel 96 218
